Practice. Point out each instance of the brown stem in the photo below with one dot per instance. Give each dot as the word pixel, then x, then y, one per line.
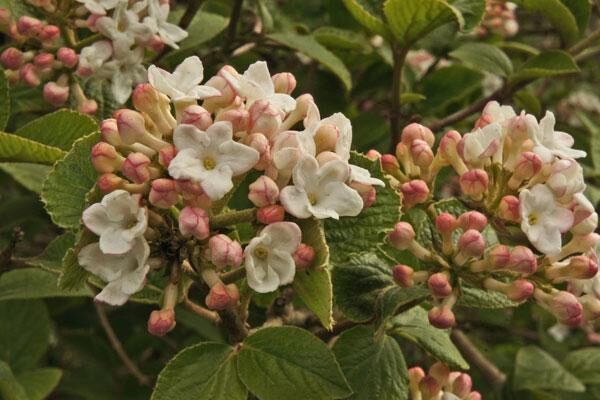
pixel 585 42
pixel 236 12
pixel 118 347
pixel 233 275
pixel 205 313
pixel 490 372
pixel 399 54
pixel 190 13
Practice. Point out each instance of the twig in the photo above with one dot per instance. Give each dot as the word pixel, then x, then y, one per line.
pixel 490 372
pixel 190 13
pixel 118 347
pixel 205 313
pixel 236 12
pixel 585 43
pixel 399 59
pixel 233 275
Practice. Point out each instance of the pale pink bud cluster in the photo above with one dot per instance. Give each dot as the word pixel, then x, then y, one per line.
pixel 440 382
pixel 500 18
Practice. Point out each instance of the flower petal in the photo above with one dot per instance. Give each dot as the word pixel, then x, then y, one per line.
pixel 284 266
pixel 340 198
pixel 217 182
pixel 187 136
pixel 285 236
pixel 295 201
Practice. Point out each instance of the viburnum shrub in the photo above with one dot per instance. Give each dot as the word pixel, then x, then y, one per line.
pixel 303 200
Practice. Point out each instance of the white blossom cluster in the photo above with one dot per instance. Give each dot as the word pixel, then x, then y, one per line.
pixel 182 151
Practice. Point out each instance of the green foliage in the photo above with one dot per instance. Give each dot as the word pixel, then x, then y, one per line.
pixel 39 383
pixel 484 57
pixel 4 101
pixel 31 176
pixel 583 363
pixel 10 388
pixel 17 149
pixel 536 369
pixel 33 283
pixel 545 65
pixel 481 298
pixel 558 14
pixel 369 13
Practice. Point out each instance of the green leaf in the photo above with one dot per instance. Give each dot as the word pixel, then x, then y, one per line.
pixel 51 258
pixel 395 297
pixel 446 85
pixel 10 388
pixel 17 149
pixel 594 136
pixel 31 176
pixel 411 98
pixel 369 13
pixel 546 65
pixel 39 383
pixel 18 8
pixel 342 39
pixel 581 10
pixel 519 47
pixel 204 371
pixel 72 275
pixel 59 129
pixel 374 366
pixel 309 46
pixel 33 283
pixel 4 101
pixel 290 363
pixel 484 57
pixel 527 100
pixel 558 14
pixel 64 192
pixel 471 10
pixel 536 369
pixel 583 363
pixel 411 20
pixel 414 326
pixel 479 298
pixel 24 340
pixel 313 285
pixel 352 235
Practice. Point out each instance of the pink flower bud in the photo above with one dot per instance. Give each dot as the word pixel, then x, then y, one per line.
pixel 441 317
pixel 522 260
pixel 135 167
pixel 260 143
pixel 43 60
pixel 440 372
pixel 166 155
pixel 402 236
pixel 472 220
pixel 12 58
pixel 445 223
pixel 499 256
pixel 155 44
pixel 193 195
pixel 163 193
pixel 414 192
pixel 390 164
pixel 528 164
pixel 304 256
pixel 263 191
pixel 264 118
pixel 508 209
pixel 109 182
pixel 222 297
pixel 474 396
pixel 161 322
pixel 462 385
pixel 519 290
pixel 67 56
pixel 228 92
pixel 145 97
pixel 439 285
pixel 56 94
pixel 284 82
pixel 197 116
pixel 131 125
pixel 373 155
pixel 471 243
pixel 110 131
pixel 474 183
pixel 88 106
pixel 566 308
pixel 421 153
pixel 403 275
pixel 577 267
pixel 366 192
pixel 415 374
pixel 224 251
pixel 326 137
pixel 417 131
pixel 29 74
pixel 270 214
pixel 105 158
pixel 239 118
pixel 28 26
pixel 430 388
pixel 194 222
pixel 49 34
pixel 448 145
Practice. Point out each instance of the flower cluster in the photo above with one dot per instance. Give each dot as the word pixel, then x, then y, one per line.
pixel 440 383
pixel 500 19
pixel 522 176
pixel 119 33
pixel 168 167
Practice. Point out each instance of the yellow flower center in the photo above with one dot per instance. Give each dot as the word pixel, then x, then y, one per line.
pixel 312 199
pixel 261 253
pixel 209 163
pixel 532 219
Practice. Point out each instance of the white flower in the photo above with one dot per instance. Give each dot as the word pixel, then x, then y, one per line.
pixel 158 12
pixel 184 83
pixel 210 158
pixel 118 219
pixel 124 29
pixel 362 175
pixel 99 7
pixel 542 220
pixel 268 257
pixel 94 56
pixel 548 142
pixel 256 84
pixel 494 112
pixel 344 130
pixel 124 273
pixel 584 214
pixel 566 178
pixel 483 144
pixel 124 73
pixel 321 191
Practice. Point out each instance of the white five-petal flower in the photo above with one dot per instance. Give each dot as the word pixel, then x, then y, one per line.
pixel 124 273
pixel 268 257
pixel 184 83
pixel 94 56
pixel 124 29
pixel 118 219
pixel 210 158
pixel 548 142
pixel 483 144
pixel 321 191
pixel 158 12
pixel 543 221
pixel 124 73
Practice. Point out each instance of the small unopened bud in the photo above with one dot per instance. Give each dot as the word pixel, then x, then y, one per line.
pixel 163 193
pixel 366 192
pixel 445 224
pixel 222 297
pixel 566 308
pixel 472 220
pixel 194 222
pixel 304 256
pixel 326 137
pixel 414 192
pixel 161 322
pixel 263 191
pixel 441 317
pixel 238 117
pixel 264 118
pixel 224 251
pixel 402 236
pixel 56 94
pixel 197 116
pixel 166 155
pixel 49 34
pixel 390 164
pixel 284 82
pixel 28 26
pixel 440 372
pixel 155 43
pixel 508 209
pixel 68 57
pixel 136 167
pixel 415 375
pixel 439 285
pixel 131 125
pixel 43 60
pixel 577 267
pixel 528 164
pixel 417 131
pixel 270 214
pixel 421 153
pixel 500 256
pixel 462 385
pixel 403 275
pixel 471 243
pixel 29 74
pixel 430 388
pixel 193 195
pixel 12 58
pixel 519 290
pixel 105 158
pixel 522 260
pixel 110 132
pixel 474 183
pixel 88 106
pixel 448 151
pixel 373 155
